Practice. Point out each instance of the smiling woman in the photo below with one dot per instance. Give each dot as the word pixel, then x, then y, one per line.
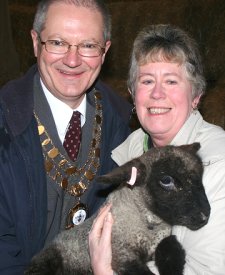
pixel 166 82
pixel 163 100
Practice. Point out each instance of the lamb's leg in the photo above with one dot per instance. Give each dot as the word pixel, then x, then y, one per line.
pixel 170 256
pixel 134 268
pixel 135 262
pixel 47 262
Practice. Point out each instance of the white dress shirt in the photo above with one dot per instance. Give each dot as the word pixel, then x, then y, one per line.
pixel 62 113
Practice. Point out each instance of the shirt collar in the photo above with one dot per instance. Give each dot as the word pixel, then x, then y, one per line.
pixel 189 130
pixel 62 112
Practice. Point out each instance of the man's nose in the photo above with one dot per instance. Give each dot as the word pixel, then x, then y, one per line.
pixel 72 58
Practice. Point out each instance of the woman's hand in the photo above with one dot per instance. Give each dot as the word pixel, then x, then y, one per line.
pixel 100 242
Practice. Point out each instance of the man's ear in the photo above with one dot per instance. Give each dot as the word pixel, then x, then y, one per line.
pixel 126 174
pixel 34 37
pixel 107 46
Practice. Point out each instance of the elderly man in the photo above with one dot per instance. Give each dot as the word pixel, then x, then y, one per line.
pixel 59 124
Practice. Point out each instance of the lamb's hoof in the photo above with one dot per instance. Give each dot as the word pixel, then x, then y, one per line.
pixel 170 256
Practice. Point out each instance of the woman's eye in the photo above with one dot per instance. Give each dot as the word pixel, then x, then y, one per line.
pixel 171 82
pixel 147 81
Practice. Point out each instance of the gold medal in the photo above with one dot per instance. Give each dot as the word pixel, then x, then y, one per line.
pixel 53 153
pixel 89 175
pixel 77 215
pixel 46 142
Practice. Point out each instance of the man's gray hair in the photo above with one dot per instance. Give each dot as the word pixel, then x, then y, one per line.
pixel 42 9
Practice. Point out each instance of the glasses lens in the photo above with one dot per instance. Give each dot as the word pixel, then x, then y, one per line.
pixel 90 50
pixel 55 46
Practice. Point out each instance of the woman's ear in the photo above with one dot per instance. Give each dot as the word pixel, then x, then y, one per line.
pixel 195 102
pixel 132 95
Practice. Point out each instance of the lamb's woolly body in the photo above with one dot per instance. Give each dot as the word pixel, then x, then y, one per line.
pixel 140 229
pixel 169 183
pixel 148 231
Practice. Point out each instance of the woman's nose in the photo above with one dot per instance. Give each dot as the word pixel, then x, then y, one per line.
pixel 157 91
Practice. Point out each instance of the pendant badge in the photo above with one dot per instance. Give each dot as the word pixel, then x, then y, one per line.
pixel 77 215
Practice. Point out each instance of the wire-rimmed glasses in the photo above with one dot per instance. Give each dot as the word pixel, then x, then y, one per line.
pixel 86 49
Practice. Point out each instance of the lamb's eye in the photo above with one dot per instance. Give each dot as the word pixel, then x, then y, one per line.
pixel 167 182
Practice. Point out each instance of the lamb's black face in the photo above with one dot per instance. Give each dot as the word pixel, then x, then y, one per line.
pixel 175 185
pixel 170 182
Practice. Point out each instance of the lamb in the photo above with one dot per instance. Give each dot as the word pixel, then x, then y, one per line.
pixel 168 191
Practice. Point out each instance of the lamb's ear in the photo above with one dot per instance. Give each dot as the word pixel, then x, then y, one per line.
pixel 124 174
pixel 192 148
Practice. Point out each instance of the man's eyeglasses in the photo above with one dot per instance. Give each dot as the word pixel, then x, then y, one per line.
pixel 85 49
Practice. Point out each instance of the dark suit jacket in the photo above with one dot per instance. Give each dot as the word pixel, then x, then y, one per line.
pixel 23 192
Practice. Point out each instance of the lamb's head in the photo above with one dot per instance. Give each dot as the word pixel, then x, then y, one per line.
pixel 170 182
pixel 178 195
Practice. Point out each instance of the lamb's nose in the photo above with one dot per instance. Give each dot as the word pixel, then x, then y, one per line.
pixel 204 218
